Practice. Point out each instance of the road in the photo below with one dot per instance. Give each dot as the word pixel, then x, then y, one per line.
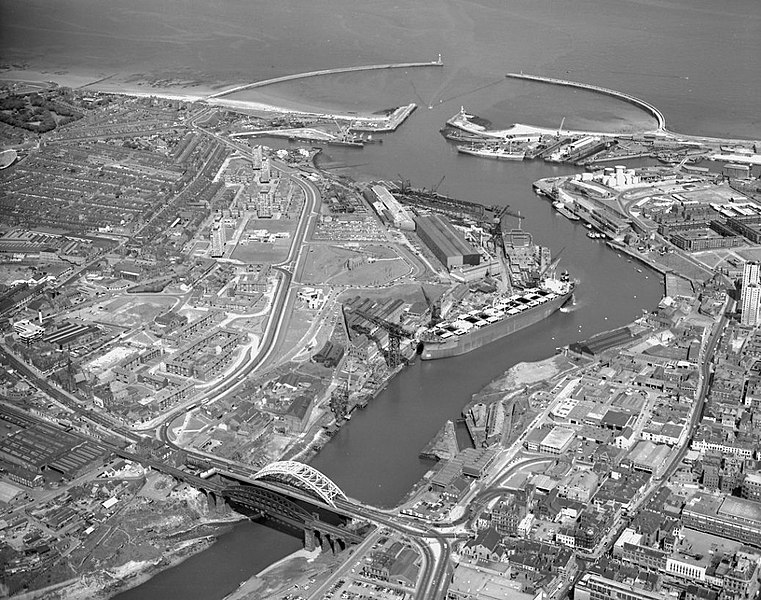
pixel 657 483
pixel 277 324
pixel 106 425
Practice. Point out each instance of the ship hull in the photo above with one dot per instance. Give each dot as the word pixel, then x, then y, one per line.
pixel 493 332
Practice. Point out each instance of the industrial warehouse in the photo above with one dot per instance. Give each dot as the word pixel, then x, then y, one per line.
pixel 446 243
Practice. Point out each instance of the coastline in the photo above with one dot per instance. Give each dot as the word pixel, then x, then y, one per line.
pixel 261 101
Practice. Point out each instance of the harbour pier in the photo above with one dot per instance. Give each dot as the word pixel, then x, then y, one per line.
pixel 295 76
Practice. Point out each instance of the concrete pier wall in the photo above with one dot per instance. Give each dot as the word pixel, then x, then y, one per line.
pixel 258 84
pixel 646 106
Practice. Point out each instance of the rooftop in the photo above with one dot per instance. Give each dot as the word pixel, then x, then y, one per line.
pixel 648 453
pixel 558 437
pixel 740 509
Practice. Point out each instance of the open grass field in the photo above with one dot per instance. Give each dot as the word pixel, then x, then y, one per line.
pixel 408 292
pixel 749 253
pixel 372 265
pixel 129 312
pixel 721 194
pixel 713 258
pixel 677 263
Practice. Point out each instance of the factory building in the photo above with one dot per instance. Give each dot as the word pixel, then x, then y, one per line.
pixel 388 208
pixel 446 243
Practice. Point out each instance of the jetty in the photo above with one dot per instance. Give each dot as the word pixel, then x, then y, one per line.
pixel 296 76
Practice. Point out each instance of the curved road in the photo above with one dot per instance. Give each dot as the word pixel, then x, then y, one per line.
pixel 277 323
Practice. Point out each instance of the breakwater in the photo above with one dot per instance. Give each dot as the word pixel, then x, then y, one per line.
pixel 644 105
pixel 295 76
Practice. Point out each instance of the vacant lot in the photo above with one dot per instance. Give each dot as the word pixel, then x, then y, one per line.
pixel 129 312
pixel 265 252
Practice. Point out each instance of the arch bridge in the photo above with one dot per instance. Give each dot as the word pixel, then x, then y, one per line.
pixel 293 493
pixel 305 478
pixel 288 492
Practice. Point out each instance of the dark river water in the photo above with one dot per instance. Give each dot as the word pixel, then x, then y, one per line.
pixel 697 60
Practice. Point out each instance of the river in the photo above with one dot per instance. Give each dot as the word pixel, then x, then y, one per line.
pixel 374 457
pixel 696 60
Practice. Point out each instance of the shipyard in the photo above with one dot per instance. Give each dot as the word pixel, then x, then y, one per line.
pixel 270 332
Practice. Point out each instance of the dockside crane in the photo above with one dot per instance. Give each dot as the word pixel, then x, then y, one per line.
pixel 499 247
pixel 395 334
pixel 436 187
pixel 499 216
pixel 550 268
pixel 434 306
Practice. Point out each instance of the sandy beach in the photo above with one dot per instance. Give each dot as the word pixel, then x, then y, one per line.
pixel 257 101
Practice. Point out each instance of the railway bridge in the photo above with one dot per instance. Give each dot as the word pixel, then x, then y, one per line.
pixel 287 493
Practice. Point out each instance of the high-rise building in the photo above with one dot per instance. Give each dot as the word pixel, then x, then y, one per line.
pixel 751 293
pixel 218 240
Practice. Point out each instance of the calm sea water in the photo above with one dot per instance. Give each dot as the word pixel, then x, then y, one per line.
pixel 697 60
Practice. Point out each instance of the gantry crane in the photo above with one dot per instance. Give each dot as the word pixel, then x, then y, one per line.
pixel 395 334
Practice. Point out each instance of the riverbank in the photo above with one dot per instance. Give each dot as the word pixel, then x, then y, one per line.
pixel 297 571
pixel 108 583
pixel 183 545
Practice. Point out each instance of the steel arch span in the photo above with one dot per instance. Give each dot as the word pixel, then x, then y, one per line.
pixel 303 477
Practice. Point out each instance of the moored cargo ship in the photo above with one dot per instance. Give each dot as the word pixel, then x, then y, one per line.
pixel 494 151
pixel 469 331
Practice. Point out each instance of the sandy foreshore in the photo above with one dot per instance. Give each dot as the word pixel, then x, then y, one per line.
pixel 256 100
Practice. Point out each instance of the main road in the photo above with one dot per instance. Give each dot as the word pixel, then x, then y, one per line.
pixel 706 357
pixel 278 320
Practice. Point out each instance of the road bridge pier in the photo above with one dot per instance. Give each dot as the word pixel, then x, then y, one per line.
pixel 216 503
